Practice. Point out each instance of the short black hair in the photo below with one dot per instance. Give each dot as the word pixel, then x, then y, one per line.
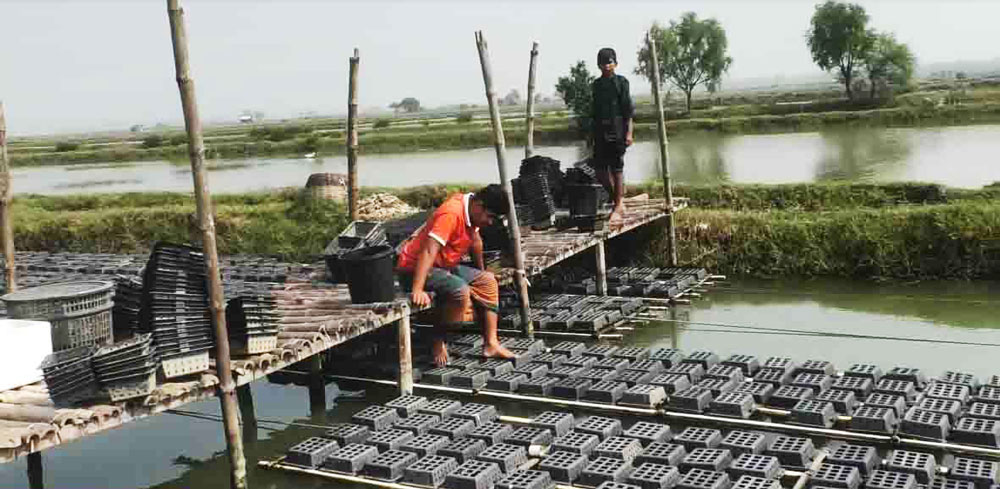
pixel 606 55
pixel 493 198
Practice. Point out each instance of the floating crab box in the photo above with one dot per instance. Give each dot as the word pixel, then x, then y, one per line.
pixel 20 366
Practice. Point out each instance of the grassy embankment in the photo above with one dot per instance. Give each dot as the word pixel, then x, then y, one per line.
pixel 899 231
pixel 738 113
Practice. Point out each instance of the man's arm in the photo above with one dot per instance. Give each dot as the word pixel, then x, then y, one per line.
pixel 628 133
pixel 477 250
pixel 425 260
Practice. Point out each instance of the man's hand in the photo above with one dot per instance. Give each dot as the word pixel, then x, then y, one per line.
pixel 420 298
pixel 628 139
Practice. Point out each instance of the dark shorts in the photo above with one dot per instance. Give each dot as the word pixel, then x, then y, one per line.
pixel 609 157
pixel 445 283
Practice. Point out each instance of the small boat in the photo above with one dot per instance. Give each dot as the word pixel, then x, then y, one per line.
pixel 309 156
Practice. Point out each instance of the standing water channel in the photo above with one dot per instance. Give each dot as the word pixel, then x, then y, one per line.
pixel 961 156
pixel 174 451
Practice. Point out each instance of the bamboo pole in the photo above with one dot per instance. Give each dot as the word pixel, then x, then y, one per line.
pixel 602 269
pixel 203 202
pixel 661 133
pixel 317 387
pixel 352 137
pixel 529 145
pixel 6 193
pixel 405 354
pixel 498 142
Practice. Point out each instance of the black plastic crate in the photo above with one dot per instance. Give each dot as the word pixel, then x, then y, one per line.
pixel 575 442
pixel 982 473
pixel 897 387
pixel 894 402
pixel 784 364
pixel 526 479
pixel 717 386
pixel 507 457
pixel 814 413
pixel 453 428
pixel 860 386
pixel 311 452
pixel 884 479
pixel 667 356
pixel 580 361
pixel 661 453
pixel 839 476
pixel 693 399
pixel 761 391
pixel 944 483
pixel 597 375
pixel 645 395
pixel 696 437
pixel 440 375
pixel 550 360
pixel 603 427
pixel 951 408
pixel 694 371
pixel 654 476
pixel 463 363
pixel 350 459
pixel 744 442
pixel 526 436
pixel 704 479
pixel 925 424
pixel 792 451
pixel 671 383
pixel 989 393
pixel 908 374
pixel 763 466
pixel 704 358
pixel 844 401
pixel 647 433
pixel 346 433
pixel 508 382
pixel 725 372
pixel 463 449
pixel 984 410
pixel 407 405
pixel 418 424
pixel 559 423
pixel 960 378
pixel 716 459
pixel 864 457
pixel 921 465
pixel 748 364
pixel 875 419
pixel 817 367
pixel 473 474
pixel 533 370
pixel 751 482
pixel 946 391
pixel 570 388
pixel 631 353
pixel 647 365
pixel 541 386
pixel 492 433
pixel 606 391
pixel 739 405
pixel 618 365
pixel 389 439
pixel 442 408
pixel 814 381
pixel 566 371
pixel 563 466
pixel 600 351
pixel 977 431
pixel 478 413
pixel 864 370
pixel 569 348
pixel 774 376
pixel 389 466
pixel 469 379
pixel 619 447
pixel 605 469
pixel 376 417
pixel 496 366
pixel 633 377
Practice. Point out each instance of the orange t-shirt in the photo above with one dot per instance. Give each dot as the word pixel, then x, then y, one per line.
pixel 449 225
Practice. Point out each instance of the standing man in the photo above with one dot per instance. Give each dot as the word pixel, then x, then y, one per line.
pixel 429 261
pixel 612 111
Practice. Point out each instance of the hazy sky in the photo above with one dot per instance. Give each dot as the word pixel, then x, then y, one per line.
pixel 76 65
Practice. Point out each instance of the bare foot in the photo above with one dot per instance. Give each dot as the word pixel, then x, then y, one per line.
pixel 617 217
pixel 440 351
pixel 496 350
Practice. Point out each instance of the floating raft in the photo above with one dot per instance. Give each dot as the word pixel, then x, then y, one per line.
pixel 413 441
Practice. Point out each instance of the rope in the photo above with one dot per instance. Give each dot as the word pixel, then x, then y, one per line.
pixel 832 335
pixel 217 417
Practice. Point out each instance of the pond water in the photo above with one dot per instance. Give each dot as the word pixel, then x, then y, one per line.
pixel 962 156
pixel 172 451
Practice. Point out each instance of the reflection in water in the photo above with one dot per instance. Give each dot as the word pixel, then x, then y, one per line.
pixel 863 155
pixel 698 158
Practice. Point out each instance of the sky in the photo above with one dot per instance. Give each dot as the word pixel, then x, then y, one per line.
pixel 75 65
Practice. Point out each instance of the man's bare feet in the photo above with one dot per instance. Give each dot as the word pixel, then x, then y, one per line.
pixel 617 217
pixel 496 350
pixel 440 351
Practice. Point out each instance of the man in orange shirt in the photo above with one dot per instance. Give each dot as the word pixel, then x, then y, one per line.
pixel 429 261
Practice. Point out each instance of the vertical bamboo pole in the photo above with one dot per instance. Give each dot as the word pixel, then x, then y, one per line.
pixel 317 387
pixel 206 222
pixel 6 192
pixel 499 144
pixel 352 137
pixel 405 354
pixel 529 145
pixel 248 415
pixel 602 269
pixel 36 477
pixel 661 133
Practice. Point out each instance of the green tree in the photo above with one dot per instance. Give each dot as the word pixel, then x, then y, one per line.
pixel 408 104
pixel 888 63
pixel 152 141
pixel 575 91
pixel 691 52
pixel 839 40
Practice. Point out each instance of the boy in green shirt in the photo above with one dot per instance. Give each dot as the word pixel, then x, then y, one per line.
pixel 612 111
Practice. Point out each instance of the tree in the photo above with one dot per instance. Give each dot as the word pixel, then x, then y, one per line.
pixel 512 98
pixel 691 52
pixel 838 39
pixel 888 62
pixel 408 104
pixel 576 93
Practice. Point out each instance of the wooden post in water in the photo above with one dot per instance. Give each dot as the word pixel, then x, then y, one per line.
pixel 36 478
pixel 6 193
pixel 352 137
pixel 529 144
pixel 248 415
pixel 206 223
pixel 602 269
pixel 498 142
pixel 661 132
pixel 317 387
pixel 405 353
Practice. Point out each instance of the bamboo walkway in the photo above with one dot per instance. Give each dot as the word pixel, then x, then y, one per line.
pixel 314 317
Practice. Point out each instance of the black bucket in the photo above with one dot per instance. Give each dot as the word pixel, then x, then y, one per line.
pixel 584 200
pixel 369 273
